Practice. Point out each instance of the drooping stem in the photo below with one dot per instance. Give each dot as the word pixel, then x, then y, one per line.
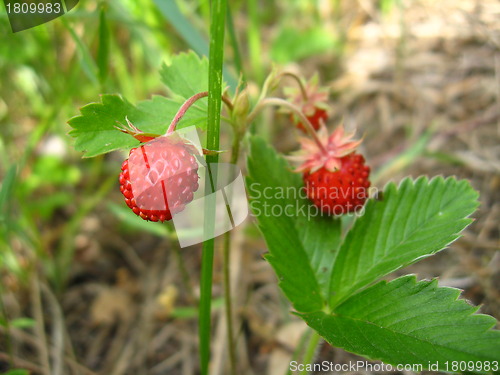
pixel 187 104
pixel 303 90
pixel 182 111
pixel 283 103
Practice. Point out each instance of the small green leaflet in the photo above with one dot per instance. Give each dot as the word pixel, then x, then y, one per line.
pixel 94 130
pixel 186 75
pixel 412 222
pixel 410 322
pixel 301 246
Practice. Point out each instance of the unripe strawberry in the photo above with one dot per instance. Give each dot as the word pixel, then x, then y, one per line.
pixel 336 178
pixel 160 177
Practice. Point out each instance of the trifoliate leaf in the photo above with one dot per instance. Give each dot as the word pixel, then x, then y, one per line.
pixel 412 222
pixel 410 322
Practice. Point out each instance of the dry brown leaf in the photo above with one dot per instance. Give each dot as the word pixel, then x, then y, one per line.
pixel 110 306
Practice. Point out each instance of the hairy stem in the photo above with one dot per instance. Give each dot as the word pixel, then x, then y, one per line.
pixel 187 104
pixel 311 350
pixel 182 111
pixel 283 103
pixel 299 81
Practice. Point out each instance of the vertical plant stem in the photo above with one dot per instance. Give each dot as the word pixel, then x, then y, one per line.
pixel 227 300
pixel 217 17
pixel 311 350
pixel 227 272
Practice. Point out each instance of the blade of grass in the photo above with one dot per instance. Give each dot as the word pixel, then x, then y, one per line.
pixel 233 39
pixel 174 16
pixel 216 56
pixel 103 51
pixel 86 61
pixel 254 41
pixel 193 38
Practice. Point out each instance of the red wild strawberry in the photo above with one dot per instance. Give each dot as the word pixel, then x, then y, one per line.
pixel 160 177
pixel 335 176
pixel 312 101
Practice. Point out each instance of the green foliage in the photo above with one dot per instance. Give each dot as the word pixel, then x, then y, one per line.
pixel 191 35
pixel 186 75
pixel 411 222
pixel 302 248
pixel 330 284
pixel 218 12
pixel 293 44
pixel 6 191
pixel 95 130
pixel 410 322
pixel 17 372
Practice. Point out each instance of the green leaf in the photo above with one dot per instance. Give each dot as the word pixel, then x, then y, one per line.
pixel 186 75
pixel 95 130
pixel 412 222
pixel 301 243
pixel 410 322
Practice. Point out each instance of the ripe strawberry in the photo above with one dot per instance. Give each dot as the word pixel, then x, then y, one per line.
pixel 342 191
pixel 335 176
pixel 160 177
pixel 312 101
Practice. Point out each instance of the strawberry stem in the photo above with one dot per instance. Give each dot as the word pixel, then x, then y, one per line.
pixel 188 103
pixel 182 111
pixel 283 103
pixel 303 90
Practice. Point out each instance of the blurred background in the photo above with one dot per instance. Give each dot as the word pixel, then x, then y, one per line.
pixel 88 288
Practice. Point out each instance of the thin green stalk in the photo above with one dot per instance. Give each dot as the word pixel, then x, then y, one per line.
pixel 227 272
pixel 311 350
pixel 216 56
pixel 228 305
pixel 304 339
